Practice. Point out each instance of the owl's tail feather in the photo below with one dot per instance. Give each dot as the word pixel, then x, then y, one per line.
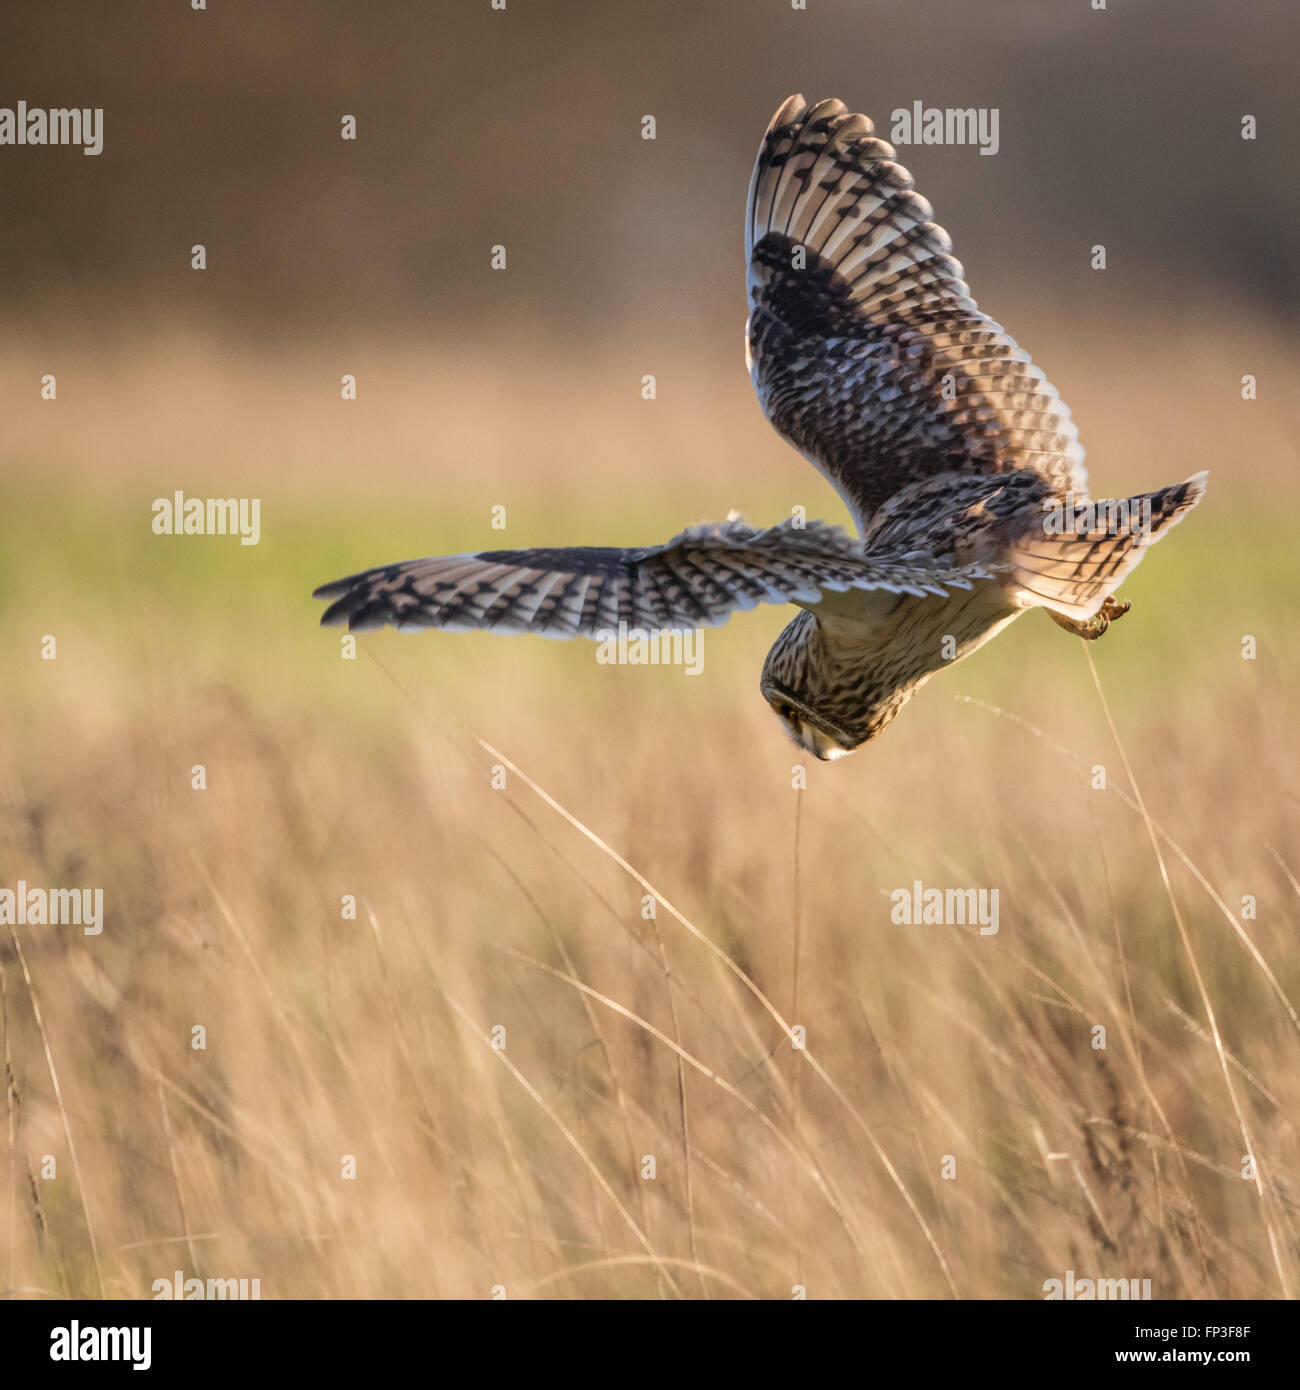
pixel 1081 552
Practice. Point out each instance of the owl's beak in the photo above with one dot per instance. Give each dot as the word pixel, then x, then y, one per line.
pixel 822 745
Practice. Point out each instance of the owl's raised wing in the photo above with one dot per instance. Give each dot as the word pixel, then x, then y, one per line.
pixel 697 580
pixel 867 352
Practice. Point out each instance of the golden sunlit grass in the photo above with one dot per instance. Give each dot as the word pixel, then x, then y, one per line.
pixel 597 869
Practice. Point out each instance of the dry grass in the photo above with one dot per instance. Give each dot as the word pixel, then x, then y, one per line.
pixel 483 907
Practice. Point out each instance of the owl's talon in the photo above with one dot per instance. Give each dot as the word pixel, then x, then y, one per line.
pixel 1092 628
pixel 1116 607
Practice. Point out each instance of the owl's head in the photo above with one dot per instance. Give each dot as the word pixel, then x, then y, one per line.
pixel 830 698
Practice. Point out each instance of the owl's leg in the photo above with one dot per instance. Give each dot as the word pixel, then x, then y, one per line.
pixel 1092 628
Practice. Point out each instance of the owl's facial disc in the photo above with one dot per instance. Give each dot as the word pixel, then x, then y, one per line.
pixel 812 734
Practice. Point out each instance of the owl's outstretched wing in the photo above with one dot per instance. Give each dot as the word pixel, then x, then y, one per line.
pixel 867 352
pixel 697 580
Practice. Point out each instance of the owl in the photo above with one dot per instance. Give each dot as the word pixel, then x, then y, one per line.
pixel 958 462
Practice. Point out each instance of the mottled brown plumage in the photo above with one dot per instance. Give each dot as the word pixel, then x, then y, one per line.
pixel 957 459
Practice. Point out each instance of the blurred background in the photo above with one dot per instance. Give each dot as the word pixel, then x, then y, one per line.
pixel 329 1036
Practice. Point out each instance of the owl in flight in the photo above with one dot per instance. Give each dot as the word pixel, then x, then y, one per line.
pixel 961 468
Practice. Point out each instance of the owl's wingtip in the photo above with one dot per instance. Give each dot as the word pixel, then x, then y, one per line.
pixel 788 112
pixel 1193 489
